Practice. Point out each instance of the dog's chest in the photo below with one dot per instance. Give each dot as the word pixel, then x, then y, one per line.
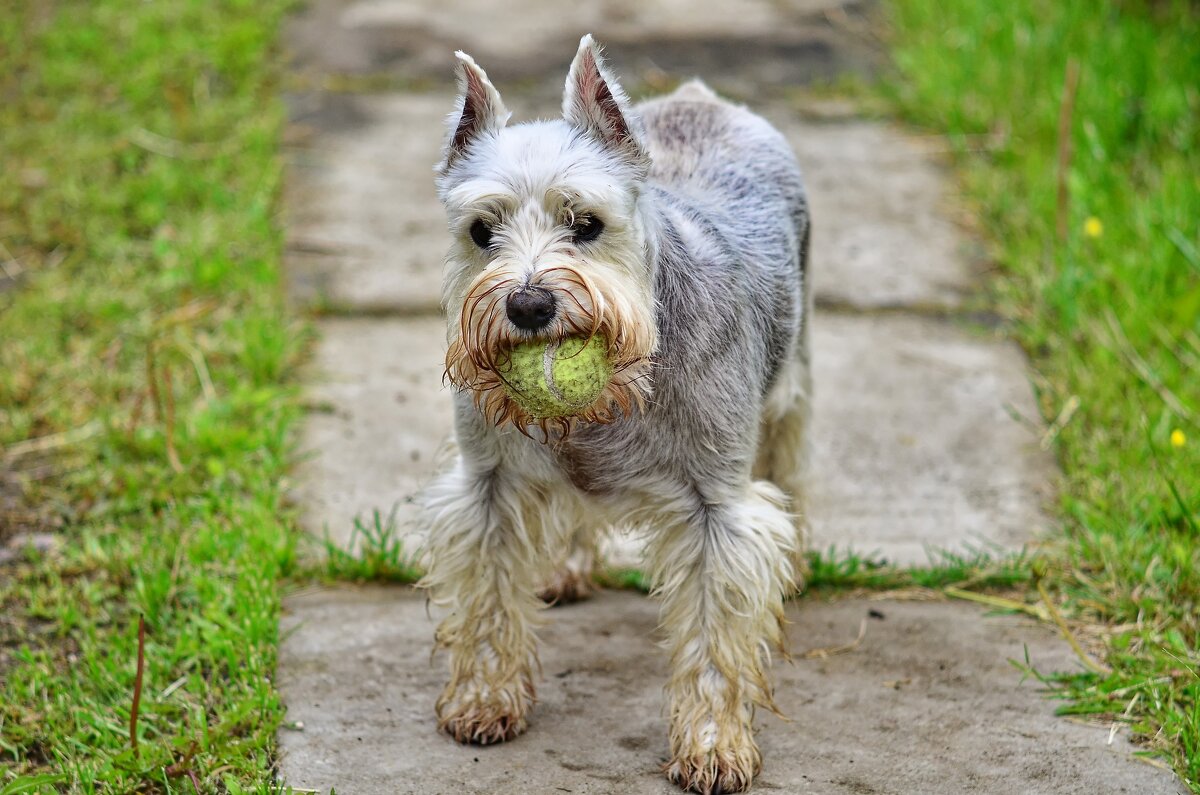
pixel 584 468
pixel 598 459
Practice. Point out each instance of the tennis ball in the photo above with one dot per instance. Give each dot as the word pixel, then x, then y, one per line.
pixel 557 379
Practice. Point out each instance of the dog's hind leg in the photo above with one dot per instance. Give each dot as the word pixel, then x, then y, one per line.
pixel 572 578
pixel 784 433
pixel 783 445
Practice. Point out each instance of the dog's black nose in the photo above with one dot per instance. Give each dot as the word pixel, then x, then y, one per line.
pixel 530 309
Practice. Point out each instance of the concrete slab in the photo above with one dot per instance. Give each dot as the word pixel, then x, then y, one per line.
pixel 771 45
pixel 366 232
pixel 915 446
pixel 927 703
pixel 881 236
pixel 379 418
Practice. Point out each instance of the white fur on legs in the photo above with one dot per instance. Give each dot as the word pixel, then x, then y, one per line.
pixel 485 562
pixel 722 573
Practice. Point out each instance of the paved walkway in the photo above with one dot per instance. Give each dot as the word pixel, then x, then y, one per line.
pixel 918 445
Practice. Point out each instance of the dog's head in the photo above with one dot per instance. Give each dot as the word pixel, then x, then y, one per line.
pixel 548 238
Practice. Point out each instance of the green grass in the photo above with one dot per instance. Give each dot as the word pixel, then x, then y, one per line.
pixel 374 552
pixel 146 347
pixel 1111 320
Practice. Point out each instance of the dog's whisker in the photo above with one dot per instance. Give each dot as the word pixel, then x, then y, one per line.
pixel 582 309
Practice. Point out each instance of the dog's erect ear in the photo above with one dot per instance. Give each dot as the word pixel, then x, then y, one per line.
pixel 479 111
pixel 594 101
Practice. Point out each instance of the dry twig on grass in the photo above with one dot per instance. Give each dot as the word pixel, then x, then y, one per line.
pixel 137 684
pixel 1088 662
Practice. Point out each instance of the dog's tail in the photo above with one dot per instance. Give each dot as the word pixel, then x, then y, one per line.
pixel 695 90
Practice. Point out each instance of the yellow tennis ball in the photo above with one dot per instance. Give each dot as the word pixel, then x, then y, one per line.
pixel 557 379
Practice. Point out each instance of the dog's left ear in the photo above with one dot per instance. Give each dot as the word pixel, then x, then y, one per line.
pixel 594 101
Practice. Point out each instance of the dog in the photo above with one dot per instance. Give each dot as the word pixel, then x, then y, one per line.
pixel 678 229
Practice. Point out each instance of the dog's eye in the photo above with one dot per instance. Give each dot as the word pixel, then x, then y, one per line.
pixel 587 227
pixel 481 233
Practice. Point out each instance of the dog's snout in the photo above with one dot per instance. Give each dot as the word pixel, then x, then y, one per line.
pixel 530 309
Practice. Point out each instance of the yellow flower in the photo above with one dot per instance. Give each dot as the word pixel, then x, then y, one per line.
pixel 1178 439
pixel 1092 227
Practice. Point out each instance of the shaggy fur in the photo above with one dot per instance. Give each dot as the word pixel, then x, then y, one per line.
pixel 698 281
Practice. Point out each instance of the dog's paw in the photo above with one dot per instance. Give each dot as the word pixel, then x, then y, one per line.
pixel 715 759
pixel 566 586
pixel 718 771
pixel 484 716
pixel 483 725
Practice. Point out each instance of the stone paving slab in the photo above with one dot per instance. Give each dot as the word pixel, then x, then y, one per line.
pixel 365 229
pixel 368 234
pixel 915 445
pixel 747 47
pixel 926 703
pixel 881 235
pixel 915 442
pixel 380 417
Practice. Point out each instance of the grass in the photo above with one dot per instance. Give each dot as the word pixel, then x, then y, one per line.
pixel 145 403
pixel 374 552
pixel 1109 313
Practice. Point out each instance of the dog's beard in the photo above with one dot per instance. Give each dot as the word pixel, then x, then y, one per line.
pixel 586 306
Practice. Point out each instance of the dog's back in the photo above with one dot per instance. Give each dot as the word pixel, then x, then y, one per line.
pixel 730 181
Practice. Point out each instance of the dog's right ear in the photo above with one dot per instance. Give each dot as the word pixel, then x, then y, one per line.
pixel 479 111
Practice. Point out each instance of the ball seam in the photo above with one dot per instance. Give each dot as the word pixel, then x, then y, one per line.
pixel 548 371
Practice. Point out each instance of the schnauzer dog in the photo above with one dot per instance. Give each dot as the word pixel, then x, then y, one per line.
pixel 679 230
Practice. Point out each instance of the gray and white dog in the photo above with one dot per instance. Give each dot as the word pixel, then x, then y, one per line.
pixel 679 230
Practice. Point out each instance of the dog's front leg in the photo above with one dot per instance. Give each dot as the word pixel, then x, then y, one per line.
pixel 723 571
pixel 483 566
